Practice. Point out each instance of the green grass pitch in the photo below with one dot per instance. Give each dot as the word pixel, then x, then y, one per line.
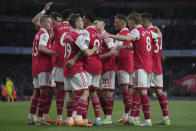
pixel 182 115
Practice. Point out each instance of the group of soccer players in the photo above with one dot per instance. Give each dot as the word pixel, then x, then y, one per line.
pixel 77 56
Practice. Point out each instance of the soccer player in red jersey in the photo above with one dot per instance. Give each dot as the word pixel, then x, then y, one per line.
pixel 92 64
pixel 60 31
pixel 157 80
pixel 125 66
pixel 74 77
pixel 41 66
pixel 141 39
pixel 107 82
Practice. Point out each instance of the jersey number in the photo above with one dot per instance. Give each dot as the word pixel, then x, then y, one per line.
pixel 97 44
pixel 148 46
pixel 62 39
pixel 157 45
pixel 35 49
pixel 67 50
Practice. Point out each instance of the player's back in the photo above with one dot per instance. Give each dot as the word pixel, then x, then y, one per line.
pixel 93 63
pixel 125 57
pixel 156 53
pixel 40 61
pixel 142 50
pixel 59 32
pixel 71 49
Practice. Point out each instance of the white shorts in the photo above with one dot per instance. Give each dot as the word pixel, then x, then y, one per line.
pixel 44 79
pixel 58 75
pixel 157 81
pixel 75 83
pixel 35 82
pixel 142 79
pixel 93 80
pixel 107 81
pixel 53 84
pixel 125 78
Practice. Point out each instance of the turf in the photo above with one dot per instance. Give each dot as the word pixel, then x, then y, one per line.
pixel 182 115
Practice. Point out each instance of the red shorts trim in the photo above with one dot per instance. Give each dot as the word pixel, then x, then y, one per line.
pixel 108 89
pixel 93 87
pixel 59 83
pixel 44 87
pixel 142 88
pixel 37 89
pixel 53 87
pixel 68 90
pixel 125 84
pixel 156 87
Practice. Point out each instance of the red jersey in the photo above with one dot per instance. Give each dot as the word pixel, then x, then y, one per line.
pixel 142 48
pixel 74 42
pixel 92 64
pixel 40 61
pixel 156 53
pixel 53 58
pixel 59 32
pixel 109 63
pixel 125 57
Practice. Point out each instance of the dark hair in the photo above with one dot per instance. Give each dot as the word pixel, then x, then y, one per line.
pixel 136 17
pixel 73 19
pixel 147 16
pixel 66 13
pixel 121 17
pixel 54 15
pixel 43 18
pixel 90 16
pixel 100 19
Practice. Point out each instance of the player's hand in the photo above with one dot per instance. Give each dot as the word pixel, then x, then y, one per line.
pixel 55 54
pixel 157 28
pixel 70 63
pixel 48 5
pixel 104 36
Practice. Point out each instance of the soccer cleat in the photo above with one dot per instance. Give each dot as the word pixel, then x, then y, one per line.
pixel 42 122
pixel 129 122
pixel 97 123
pixel 164 122
pixel 136 122
pixel 59 122
pixel 106 122
pixel 48 120
pixel 32 120
pixel 87 125
pixel 144 124
pixel 65 122
pixel 122 120
pixel 80 122
pixel 69 124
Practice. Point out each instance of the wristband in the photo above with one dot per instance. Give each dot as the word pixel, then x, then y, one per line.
pixel 43 11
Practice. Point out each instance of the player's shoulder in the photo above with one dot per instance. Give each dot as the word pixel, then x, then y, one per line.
pixel 124 31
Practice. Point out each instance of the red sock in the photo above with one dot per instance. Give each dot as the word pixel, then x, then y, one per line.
pixel 42 103
pixel 134 104
pixel 139 105
pixel 86 109
pixel 109 105
pixel 48 104
pixel 96 106
pixel 82 105
pixel 103 103
pixel 76 98
pixel 163 103
pixel 145 106
pixel 69 106
pixel 126 100
pixel 60 101
pixel 34 101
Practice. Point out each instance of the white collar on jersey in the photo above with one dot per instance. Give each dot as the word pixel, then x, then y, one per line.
pixel 124 29
pixel 76 31
pixel 66 22
pixel 103 32
pixel 44 30
pixel 138 26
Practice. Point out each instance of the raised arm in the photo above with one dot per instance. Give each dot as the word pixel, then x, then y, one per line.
pixel 35 20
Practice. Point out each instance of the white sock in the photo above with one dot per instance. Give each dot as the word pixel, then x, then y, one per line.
pixel 70 119
pixel 109 117
pixel 137 118
pixel 45 116
pixel 165 118
pixel 86 121
pixel 97 118
pixel 148 120
pixel 131 119
pixel 30 116
pixel 78 117
pixel 59 117
pixel 74 113
pixel 126 115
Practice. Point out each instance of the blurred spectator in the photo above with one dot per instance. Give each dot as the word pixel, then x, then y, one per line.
pixel 3 92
